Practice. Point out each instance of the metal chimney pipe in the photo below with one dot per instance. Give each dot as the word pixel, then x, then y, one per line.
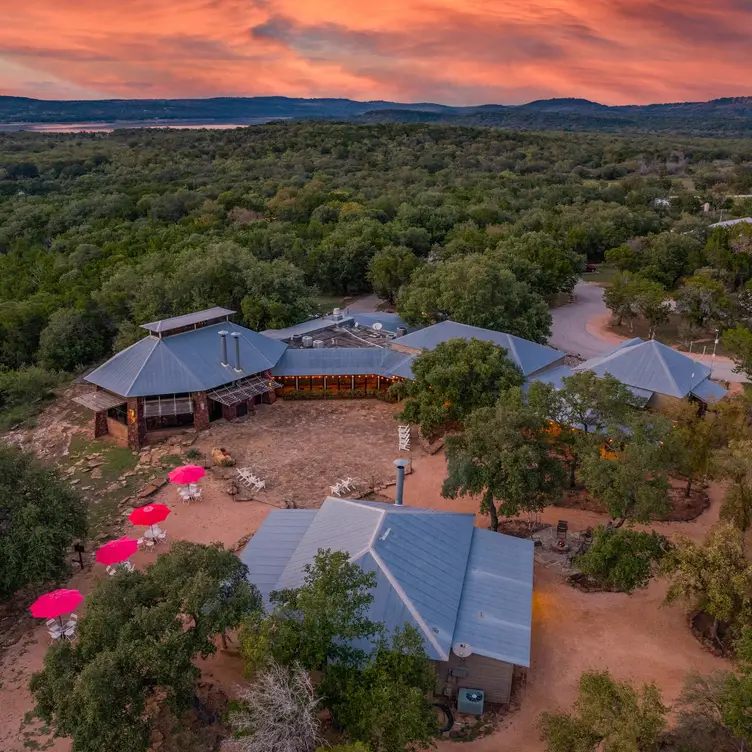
pixel 401 465
pixel 223 355
pixel 236 337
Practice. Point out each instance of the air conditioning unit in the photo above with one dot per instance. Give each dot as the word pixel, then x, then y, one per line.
pixel 470 701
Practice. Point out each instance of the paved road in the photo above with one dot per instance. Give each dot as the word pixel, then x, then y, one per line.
pixel 569 328
pixel 571 335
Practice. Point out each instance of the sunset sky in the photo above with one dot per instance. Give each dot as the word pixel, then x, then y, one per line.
pixel 451 51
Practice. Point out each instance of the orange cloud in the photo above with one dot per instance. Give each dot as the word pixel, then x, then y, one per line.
pixel 454 51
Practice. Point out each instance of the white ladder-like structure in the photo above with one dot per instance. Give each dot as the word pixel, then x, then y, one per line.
pixel 404 438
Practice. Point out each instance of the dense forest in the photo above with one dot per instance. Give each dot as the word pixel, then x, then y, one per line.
pixel 101 232
pixel 728 117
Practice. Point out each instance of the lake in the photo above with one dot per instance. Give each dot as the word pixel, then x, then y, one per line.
pixel 121 124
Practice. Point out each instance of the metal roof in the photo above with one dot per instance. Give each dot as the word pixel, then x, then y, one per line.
pixel 495 612
pixel 344 361
pixel 650 366
pixel 267 559
pixel 530 357
pixel 390 322
pixel 731 222
pixel 709 392
pixel 187 319
pixel 553 376
pixel 186 362
pixel 423 576
pixel 98 401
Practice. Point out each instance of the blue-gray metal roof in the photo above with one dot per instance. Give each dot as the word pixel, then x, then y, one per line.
pixel 649 366
pixel 528 356
pixel 187 319
pixel 270 553
pixel 186 362
pixel 344 361
pixel 495 612
pixel 390 322
pixel 421 558
pixel 307 327
pixel 709 392
pixel 553 376
pixel 732 222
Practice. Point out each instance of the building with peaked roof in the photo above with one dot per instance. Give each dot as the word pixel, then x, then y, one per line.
pixel 732 222
pixel 653 372
pixel 198 367
pixel 530 357
pixel 467 591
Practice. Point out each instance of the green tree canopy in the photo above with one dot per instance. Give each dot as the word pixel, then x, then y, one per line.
pixel 622 559
pixel 385 703
pixel 632 485
pixel 136 647
pixel 390 269
pixel 504 455
pixel 40 516
pixel 316 623
pixel 715 578
pixel 476 290
pixel 72 339
pixel 608 716
pixel 452 380
pixel 733 464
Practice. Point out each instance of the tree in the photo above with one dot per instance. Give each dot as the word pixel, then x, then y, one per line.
pixel 385 704
pixel 714 578
pixel 71 339
pixel 315 624
pixel 608 716
pixel 40 517
pixel 278 713
pixel 476 290
pixel 632 485
pixel 585 408
pixel 733 464
pixel 694 435
pixel 738 342
pixel 504 454
pixel 558 268
pixel 621 298
pixel 651 303
pixel 703 301
pixel 452 380
pixel 390 269
pixel 136 647
pixel 623 559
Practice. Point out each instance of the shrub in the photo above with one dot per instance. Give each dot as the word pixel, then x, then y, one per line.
pixel 622 559
pixel 40 516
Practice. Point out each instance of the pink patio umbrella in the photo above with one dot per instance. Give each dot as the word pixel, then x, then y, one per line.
pixel 149 515
pixel 186 474
pixel 117 551
pixel 53 605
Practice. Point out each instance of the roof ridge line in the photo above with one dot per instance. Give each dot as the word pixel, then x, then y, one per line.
pixel 666 368
pixel 250 344
pixel 409 604
pixel 157 340
pixel 182 364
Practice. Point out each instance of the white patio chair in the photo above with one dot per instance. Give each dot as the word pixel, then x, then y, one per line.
pixel 51 623
pixel 55 634
pixel 193 489
pixel 161 535
pixel 260 485
pixel 336 489
pixel 70 631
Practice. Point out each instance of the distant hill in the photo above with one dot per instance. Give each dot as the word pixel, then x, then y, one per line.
pixel 731 116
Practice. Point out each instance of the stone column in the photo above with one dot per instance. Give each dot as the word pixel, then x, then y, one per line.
pixel 200 410
pixel 230 412
pixel 271 396
pixel 136 422
pixel 100 424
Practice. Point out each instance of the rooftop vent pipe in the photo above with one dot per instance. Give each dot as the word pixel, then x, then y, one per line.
pixel 236 337
pixel 223 353
pixel 401 465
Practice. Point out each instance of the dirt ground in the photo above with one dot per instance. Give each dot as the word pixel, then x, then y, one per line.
pixel 300 449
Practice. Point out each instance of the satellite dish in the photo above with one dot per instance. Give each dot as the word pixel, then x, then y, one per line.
pixel 462 649
pixel 378 326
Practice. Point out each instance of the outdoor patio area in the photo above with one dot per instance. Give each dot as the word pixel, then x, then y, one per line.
pixel 303 448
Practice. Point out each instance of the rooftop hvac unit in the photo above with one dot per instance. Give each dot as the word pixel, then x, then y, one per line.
pixel 337 314
pixel 318 343
pixel 295 338
pixel 401 331
pixel 307 341
pixel 470 701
